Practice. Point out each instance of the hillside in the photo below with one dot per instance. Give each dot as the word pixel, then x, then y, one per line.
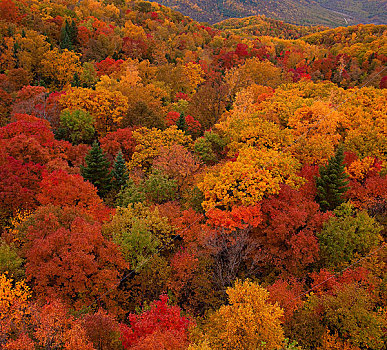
pixel 169 184
pixel 363 11
pixel 330 13
pixel 264 26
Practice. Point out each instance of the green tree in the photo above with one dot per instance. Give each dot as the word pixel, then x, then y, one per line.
pixel 76 81
pixel 65 37
pixel 351 312
pixel 348 312
pixel 130 194
pixel 10 261
pixel 97 170
pixel 73 32
pixel 69 35
pixel 76 127
pixel 332 183
pixel 139 232
pixel 181 124
pixel 159 188
pixel 347 235
pixel 119 172
pixel 209 147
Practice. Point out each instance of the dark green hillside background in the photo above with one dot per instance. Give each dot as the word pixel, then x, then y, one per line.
pixel 331 13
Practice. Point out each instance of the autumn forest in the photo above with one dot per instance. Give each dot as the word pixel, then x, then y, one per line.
pixel 173 185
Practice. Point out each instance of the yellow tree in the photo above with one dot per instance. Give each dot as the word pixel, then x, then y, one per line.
pixel 255 71
pixel 150 143
pixel 253 131
pixel 94 8
pixel 316 130
pixel 13 305
pixel 247 101
pixel 106 106
pixel 60 67
pixel 289 97
pixel 195 75
pixel 145 100
pixel 133 31
pixel 245 181
pixel 249 321
pixel 7 59
pixel 123 80
pixel 365 113
pixel 32 48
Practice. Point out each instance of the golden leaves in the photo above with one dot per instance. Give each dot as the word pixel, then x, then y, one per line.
pixel 60 67
pixel 248 321
pixel 151 141
pixel 254 174
pixel 106 106
pixel 315 128
pixel 195 74
pixel 13 299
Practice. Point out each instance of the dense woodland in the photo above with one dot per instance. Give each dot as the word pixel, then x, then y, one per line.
pixel 166 184
pixel 331 13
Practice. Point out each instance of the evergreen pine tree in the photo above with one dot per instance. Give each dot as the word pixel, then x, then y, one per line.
pixel 16 48
pixel 73 33
pixel 332 183
pixel 76 81
pixel 65 37
pixel 97 170
pixel 181 124
pixel 119 172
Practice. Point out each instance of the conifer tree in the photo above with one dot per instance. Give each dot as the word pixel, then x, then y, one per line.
pixel 332 183
pixel 73 32
pixel 97 170
pixel 181 124
pixel 76 81
pixel 65 37
pixel 119 172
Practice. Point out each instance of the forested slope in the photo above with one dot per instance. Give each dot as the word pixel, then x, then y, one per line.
pixel 364 11
pixel 331 13
pixel 166 184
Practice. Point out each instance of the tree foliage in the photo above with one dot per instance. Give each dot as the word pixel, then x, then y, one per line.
pixel 249 321
pixel 217 156
pixel 348 235
pixel 254 174
pixel 76 126
pixel 107 107
pixel 332 184
pixel 97 170
pixel 119 172
pixel 68 257
pixel 160 326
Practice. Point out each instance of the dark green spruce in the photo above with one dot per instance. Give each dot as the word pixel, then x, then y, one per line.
pixel 73 33
pixel 65 39
pixel 332 184
pixel 180 123
pixel 119 172
pixel 97 170
pixel 68 35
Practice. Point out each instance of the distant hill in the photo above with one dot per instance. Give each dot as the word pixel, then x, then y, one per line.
pixel 362 11
pixel 264 26
pixel 330 13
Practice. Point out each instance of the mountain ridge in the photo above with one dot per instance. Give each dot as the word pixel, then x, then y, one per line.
pixel 332 13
